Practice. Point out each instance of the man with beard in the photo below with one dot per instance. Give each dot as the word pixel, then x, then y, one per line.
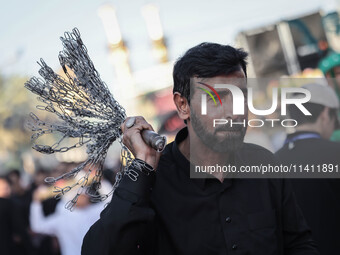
pixel 167 210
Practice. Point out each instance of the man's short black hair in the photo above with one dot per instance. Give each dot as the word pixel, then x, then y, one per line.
pixel 314 109
pixel 206 60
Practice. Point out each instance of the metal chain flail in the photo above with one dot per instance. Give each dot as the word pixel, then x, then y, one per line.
pixel 86 111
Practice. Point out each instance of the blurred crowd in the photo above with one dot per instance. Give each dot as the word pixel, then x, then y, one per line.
pixel 33 222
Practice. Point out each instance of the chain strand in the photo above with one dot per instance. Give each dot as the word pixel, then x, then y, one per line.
pixel 85 109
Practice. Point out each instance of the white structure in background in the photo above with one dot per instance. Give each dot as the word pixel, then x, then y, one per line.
pixel 150 14
pixel 124 91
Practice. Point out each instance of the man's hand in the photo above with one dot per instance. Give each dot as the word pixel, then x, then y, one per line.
pixel 133 140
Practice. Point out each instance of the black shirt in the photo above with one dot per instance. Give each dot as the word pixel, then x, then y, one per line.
pixel 171 213
pixel 6 226
pixel 319 199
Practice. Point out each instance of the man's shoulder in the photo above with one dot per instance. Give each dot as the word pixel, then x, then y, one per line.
pixel 254 153
pixel 167 155
pixel 246 147
pixel 167 152
pixel 256 149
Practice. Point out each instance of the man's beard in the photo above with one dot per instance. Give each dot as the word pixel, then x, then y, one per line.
pixel 232 141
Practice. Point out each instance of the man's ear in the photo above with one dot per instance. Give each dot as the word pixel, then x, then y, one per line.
pixel 182 105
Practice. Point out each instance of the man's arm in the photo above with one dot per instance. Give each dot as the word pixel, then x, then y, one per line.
pixel 296 233
pixel 126 226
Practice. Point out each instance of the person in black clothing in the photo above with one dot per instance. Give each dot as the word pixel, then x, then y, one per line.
pixel 168 212
pixel 319 199
pixel 6 220
pixel 14 237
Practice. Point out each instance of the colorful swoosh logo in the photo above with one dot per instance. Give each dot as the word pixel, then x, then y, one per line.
pixel 213 90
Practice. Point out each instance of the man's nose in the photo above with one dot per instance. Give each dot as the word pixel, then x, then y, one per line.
pixel 228 109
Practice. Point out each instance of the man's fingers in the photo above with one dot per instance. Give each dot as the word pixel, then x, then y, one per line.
pixel 137 129
pixel 133 134
pixel 146 126
pixel 129 120
pixel 132 138
pixel 140 123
